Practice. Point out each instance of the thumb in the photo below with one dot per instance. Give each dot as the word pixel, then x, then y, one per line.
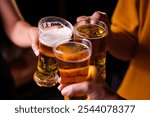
pixel 33 32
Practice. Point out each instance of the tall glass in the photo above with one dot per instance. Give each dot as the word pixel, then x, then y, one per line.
pixel 96 33
pixel 73 58
pixel 51 29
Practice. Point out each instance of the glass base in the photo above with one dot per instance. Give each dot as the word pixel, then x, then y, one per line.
pixel 45 81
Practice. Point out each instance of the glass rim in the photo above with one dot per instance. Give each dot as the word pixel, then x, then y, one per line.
pixel 88 48
pixel 53 17
pixel 100 23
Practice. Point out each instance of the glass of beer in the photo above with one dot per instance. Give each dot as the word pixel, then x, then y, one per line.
pixel 51 29
pixel 73 58
pixel 96 33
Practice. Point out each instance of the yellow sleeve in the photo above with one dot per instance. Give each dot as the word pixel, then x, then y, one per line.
pixel 125 17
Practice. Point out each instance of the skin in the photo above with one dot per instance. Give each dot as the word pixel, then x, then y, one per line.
pixel 20 32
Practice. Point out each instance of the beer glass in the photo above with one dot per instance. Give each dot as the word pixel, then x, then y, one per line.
pixel 73 58
pixel 96 33
pixel 51 29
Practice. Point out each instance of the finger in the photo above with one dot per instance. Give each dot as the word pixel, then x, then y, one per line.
pixel 33 32
pixel 59 80
pixel 75 89
pixel 35 49
pixel 82 18
pixel 61 86
pixel 99 16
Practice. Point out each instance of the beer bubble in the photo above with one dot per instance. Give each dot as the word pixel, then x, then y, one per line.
pixel 53 34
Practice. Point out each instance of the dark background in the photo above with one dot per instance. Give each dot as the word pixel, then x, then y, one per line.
pixel 34 10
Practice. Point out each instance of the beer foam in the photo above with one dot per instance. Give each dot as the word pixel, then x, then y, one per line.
pixel 54 34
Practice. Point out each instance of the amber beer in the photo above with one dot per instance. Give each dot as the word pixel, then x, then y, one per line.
pixel 73 60
pixel 47 67
pixel 96 33
pixel 51 30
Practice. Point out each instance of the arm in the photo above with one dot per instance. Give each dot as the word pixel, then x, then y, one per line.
pixel 121 45
pixel 123 40
pixel 95 88
pixel 15 26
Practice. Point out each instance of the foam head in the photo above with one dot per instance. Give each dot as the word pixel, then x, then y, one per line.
pixel 53 34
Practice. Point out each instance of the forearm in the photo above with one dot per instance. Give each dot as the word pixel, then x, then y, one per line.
pixel 20 34
pixel 15 27
pixel 122 46
pixel 110 94
pixel 103 92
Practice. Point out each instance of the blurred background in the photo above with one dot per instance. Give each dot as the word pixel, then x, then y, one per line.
pixel 22 62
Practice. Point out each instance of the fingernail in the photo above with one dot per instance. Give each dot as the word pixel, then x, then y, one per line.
pixel 35 49
pixel 59 87
pixel 64 92
pixel 36 52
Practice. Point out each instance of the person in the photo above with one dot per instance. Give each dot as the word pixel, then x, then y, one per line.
pixel 21 33
pixel 128 39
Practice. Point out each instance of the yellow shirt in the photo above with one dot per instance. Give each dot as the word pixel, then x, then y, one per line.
pixel 133 16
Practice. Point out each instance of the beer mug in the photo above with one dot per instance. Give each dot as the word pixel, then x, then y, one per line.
pixel 73 58
pixel 96 33
pixel 51 29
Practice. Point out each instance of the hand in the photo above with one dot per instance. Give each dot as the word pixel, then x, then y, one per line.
pixel 96 16
pixel 33 33
pixel 95 87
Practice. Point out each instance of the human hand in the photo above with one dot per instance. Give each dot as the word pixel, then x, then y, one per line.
pixel 94 19
pixel 96 16
pixel 95 87
pixel 33 33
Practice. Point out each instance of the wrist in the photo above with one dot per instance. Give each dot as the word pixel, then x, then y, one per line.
pixel 110 94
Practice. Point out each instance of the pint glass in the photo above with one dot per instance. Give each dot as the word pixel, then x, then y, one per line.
pixel 51 29
pixel 73 58
pixel 96 33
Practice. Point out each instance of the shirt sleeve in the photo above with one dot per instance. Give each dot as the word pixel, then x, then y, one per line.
pixel 125 18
